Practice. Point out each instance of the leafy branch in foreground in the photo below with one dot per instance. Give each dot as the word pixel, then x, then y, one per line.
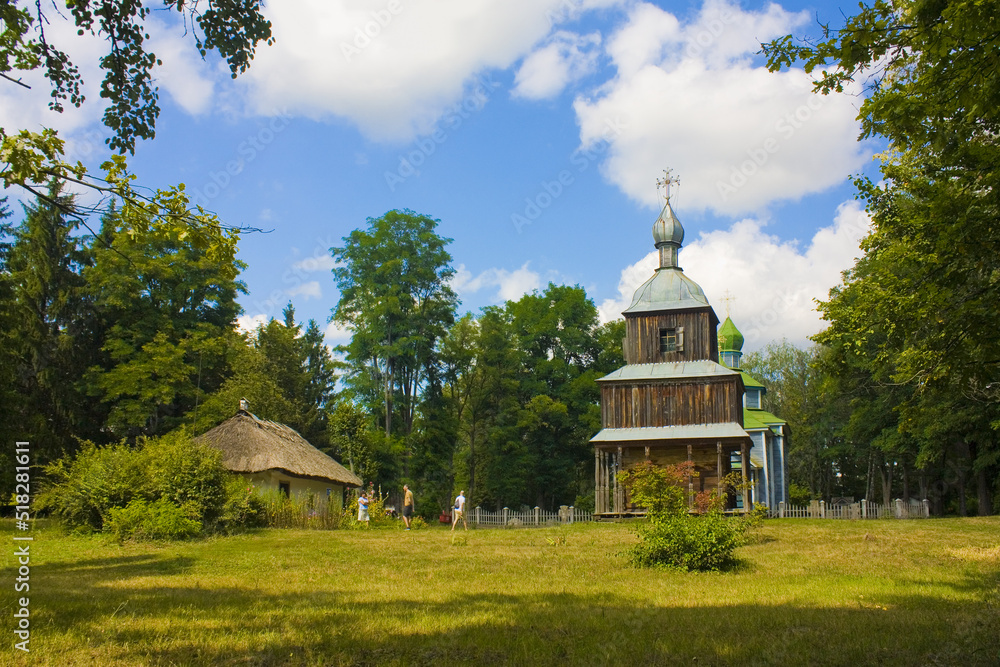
pixel 28 159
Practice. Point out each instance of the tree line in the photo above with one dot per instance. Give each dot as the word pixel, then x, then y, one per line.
pixel 131 332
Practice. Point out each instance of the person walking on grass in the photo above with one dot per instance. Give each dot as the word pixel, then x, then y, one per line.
pixel 458 511
pixel 407 506
pixel 363 508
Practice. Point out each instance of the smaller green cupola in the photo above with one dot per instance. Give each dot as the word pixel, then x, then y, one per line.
pixel 730 345
pixel 730 338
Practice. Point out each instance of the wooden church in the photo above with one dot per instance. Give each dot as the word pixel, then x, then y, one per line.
pixel 672 401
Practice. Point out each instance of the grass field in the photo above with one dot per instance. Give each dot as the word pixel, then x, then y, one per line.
pixel 807 592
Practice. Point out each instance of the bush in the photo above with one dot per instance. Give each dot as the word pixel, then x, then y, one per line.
pixel 187 473
pixel 158 520
pixel 243 508
pixel 585 502
pixel 82 491
pixel 689 542
pixel 675 536
pixel 798 494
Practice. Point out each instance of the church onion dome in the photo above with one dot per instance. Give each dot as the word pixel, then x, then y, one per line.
pixel 669 288
pixel 667 228
pixel 730 338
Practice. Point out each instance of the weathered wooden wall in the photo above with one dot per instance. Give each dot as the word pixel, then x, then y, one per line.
pixel 671 402
pixel 642 337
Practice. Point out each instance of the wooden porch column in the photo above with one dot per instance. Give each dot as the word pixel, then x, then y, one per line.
pixel 605 481
pixel 743 472
pixel 718 467
pixel 619 491
pixel 597 480
pixel 690 479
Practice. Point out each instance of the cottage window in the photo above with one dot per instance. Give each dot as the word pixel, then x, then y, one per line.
pixel 285 488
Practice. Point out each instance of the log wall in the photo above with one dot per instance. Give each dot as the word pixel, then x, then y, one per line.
pixel 642 336
pixel 671 403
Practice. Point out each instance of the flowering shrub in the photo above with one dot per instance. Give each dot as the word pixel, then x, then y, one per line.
pixel 675 535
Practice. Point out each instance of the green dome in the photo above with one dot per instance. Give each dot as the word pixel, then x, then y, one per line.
pixel 730 338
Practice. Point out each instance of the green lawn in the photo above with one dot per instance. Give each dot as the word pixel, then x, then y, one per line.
pixel 808 592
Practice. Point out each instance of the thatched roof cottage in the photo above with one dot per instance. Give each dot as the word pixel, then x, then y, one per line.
pixel 272 455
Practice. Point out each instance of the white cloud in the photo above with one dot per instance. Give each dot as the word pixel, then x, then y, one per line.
pixel 308 290
pixel 183 75
pixel 337 335
pixel 249 323
pixel 692 99
pixel 511 285
pixel 315 263
pixel 643 40
pixel 392 67
pixel 775 283
pixel 564 59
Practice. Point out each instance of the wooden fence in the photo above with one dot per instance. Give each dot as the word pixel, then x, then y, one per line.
pixel 865 509
pixel 532 517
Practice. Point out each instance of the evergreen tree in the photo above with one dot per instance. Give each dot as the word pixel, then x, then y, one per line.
pixel 52 327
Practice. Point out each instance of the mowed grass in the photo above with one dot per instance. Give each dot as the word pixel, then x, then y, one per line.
pixel 807 592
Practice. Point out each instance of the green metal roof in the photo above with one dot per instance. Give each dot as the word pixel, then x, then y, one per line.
pixel 668 289
pixel 751 422
pixel 667 370
pixel 757 420
pixel 686 432
pixel 751 381
pixel 730 338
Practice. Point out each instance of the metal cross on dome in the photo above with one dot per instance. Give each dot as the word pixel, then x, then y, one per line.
pixel 727 298
pixel 667 180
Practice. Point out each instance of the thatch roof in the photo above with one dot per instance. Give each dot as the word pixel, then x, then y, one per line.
pixel 250 444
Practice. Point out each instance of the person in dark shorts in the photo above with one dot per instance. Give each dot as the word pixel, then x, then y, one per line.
pixel 407 506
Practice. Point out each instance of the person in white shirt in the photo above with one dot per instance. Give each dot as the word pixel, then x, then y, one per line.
pixel 458 512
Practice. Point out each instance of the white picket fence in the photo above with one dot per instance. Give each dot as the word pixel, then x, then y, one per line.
pixel 818 509
pixel 527 518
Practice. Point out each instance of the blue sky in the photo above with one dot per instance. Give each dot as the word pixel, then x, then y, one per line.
pixel 533 129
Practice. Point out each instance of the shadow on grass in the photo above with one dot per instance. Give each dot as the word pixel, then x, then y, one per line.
pixel 192 625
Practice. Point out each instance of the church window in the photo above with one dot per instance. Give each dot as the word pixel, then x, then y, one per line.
pixel 671 340
pixel 753 398
pixel 668 340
